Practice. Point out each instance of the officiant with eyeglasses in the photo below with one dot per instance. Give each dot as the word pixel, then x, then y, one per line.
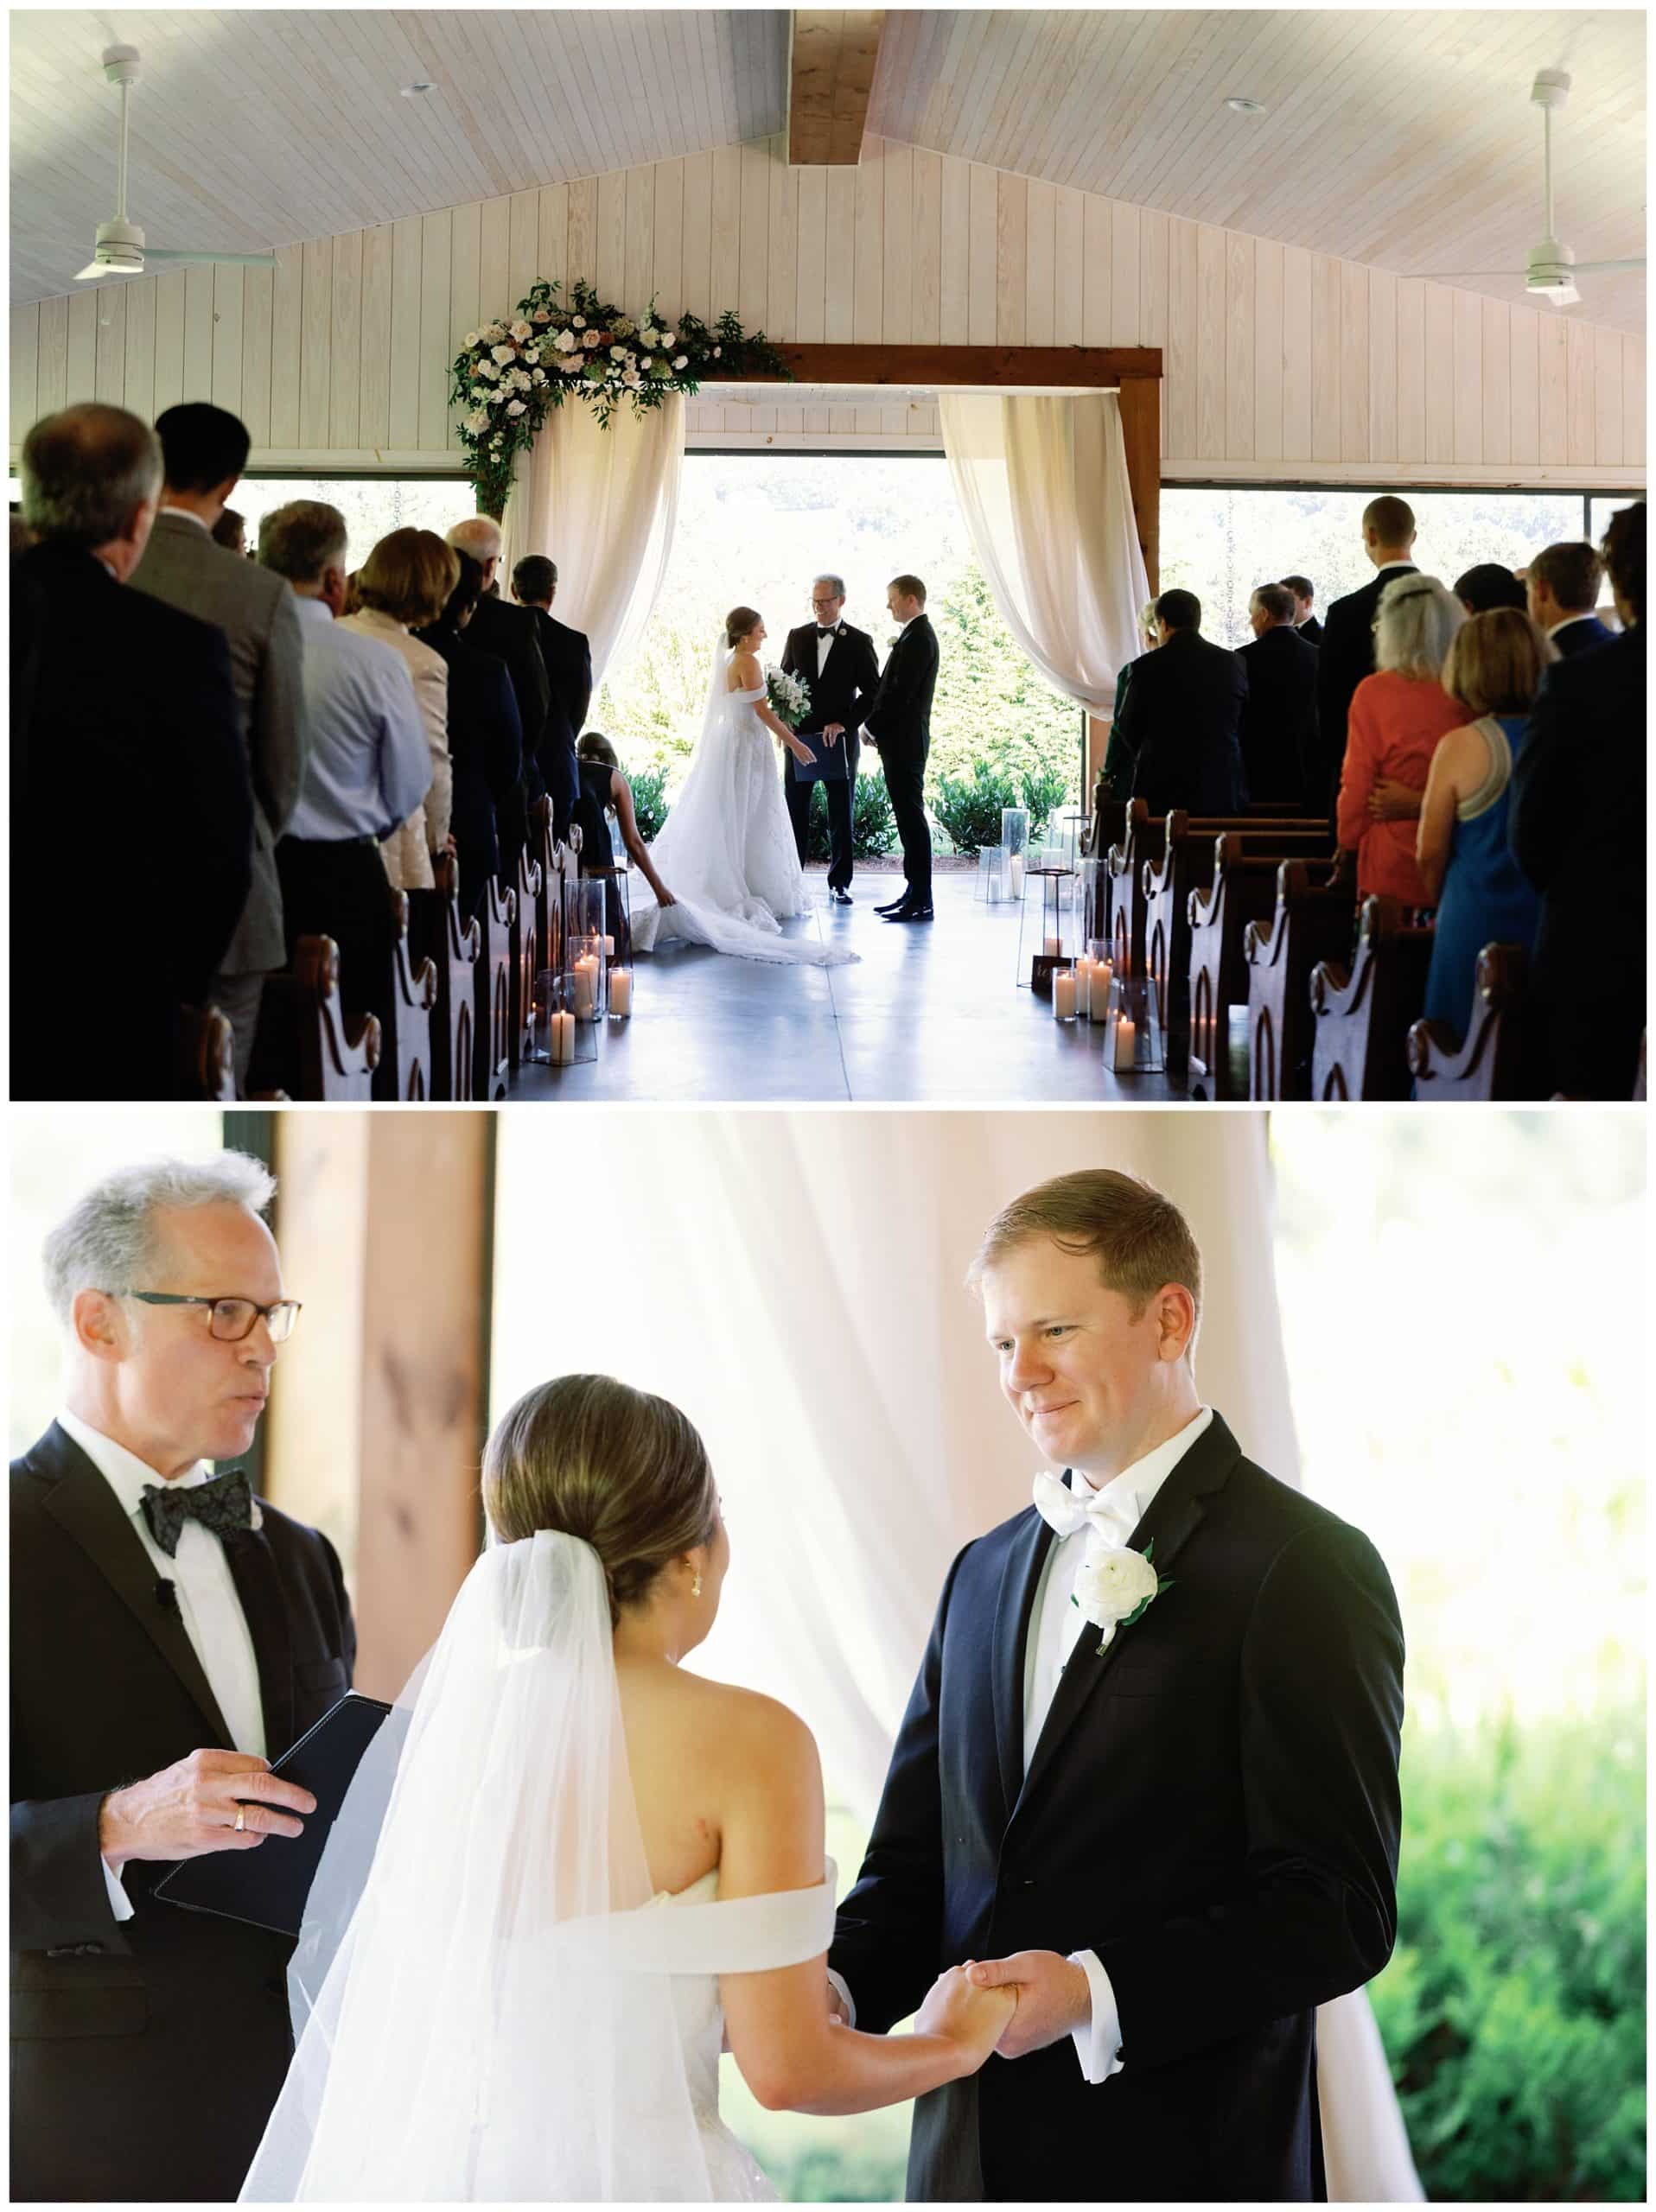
pixel 170 1637
pixel 839 665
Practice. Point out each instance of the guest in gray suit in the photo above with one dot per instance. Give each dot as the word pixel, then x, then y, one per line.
pixel 205 450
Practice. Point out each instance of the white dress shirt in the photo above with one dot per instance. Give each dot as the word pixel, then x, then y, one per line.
pixel 208 1602
pixel 189 515
pixel 825 646
pixel 1055 1626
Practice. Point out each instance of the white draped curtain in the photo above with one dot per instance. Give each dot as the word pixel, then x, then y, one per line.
pixel 602 504
pixel 794 1281
pixel 1042 479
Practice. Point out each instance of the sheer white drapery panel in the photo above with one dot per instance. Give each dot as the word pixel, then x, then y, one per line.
pixel 794 1280
pixel 1042 478
pixel 602 504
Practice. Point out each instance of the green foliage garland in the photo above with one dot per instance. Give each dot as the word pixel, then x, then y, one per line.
pixel 511 373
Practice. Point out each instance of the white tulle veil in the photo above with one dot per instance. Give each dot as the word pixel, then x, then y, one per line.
pixel 482 2008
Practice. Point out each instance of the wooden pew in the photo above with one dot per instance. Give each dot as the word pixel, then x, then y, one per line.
pixel 453 947
pixel 1242 894
pixel 203 1056
pixel 405 1072
pixel 1491 1060
pixel 303 1045
pixel 1186 864
pixel 526 949
pixel 1364 1011
pixel 1315 919
pixel 491 988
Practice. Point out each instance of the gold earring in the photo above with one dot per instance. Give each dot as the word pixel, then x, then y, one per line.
pixel 696 1587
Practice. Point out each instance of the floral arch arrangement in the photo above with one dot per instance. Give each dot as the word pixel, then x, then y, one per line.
pixel 510 374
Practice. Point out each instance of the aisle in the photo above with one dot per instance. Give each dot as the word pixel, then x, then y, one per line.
pixel 930 1014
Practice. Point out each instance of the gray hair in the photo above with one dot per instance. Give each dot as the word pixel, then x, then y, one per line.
pixel 479 535
pixel 1418 617
pixel 87 471
pixel 838 584
pixel 106 1240
pixel 302 540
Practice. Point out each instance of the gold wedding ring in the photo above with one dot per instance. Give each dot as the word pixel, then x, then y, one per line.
pixel 241 1818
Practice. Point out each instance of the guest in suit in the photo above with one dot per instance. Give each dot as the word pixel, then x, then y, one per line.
pixel 1563 584
pixel 1346 647
pixel 1304 621
pixel 485 738
pixel 1398 717
pixel 404 584
pixel 1117 771
pixel 132 800
pixel 369 767
pixel 170 1637
pixel 1493 673
pixel 204 449
pixel 840 665
pixel 508 633
pixel 1278 737
pixel 1171 1849
pixel 898 722
pixel 1577 827
pixel 568 659
pixel 1183 715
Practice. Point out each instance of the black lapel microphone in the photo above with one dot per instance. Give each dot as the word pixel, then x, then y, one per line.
pixel 166 1596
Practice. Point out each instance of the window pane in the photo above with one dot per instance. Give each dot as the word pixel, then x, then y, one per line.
pixel 1600 512
pixel 372 506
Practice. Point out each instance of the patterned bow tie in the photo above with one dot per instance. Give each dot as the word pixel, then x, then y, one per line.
pixel 1111 1519
pixel 224 1504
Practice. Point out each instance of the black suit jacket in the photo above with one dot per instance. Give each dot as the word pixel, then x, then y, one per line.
pixel 1279 725
pixel 568 659
pixel 1345 657
pixel 900 713
pixel 132 827
pixel 1582 636
pixel 507 633
pixel 842 692
pixel 1576 825
pixel 1212 1808
pixel 486 746
pixel 1310 630
pixel 146 2054
pixel 1180 720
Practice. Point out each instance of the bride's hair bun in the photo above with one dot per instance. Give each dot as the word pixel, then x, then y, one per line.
pixel 592 1457
pixel 740 622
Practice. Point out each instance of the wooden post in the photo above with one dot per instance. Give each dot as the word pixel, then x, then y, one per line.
pixel 1141 431
pixel 378 1417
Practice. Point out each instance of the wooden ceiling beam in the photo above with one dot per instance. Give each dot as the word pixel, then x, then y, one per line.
pixel 832 58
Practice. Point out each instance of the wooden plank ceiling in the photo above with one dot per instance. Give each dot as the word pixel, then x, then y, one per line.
pixel 834 53
pixel 1405 140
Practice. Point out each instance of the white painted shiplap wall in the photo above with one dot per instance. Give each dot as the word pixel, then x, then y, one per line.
pixel 1280 363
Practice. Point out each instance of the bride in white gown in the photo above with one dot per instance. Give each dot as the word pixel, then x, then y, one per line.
pixel 570 1870
pixel 726 851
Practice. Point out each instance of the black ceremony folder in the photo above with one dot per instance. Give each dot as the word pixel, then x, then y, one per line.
pixel 828 762
pixel 268 1886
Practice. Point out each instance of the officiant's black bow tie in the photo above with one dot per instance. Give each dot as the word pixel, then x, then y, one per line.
pixel 821 633
pixel 221 1505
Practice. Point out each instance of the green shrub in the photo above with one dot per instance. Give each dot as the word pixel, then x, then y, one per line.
pixel 1044 792
pixel 969 807
pixel 649 799
pixel 874 826
pixel 1513 2009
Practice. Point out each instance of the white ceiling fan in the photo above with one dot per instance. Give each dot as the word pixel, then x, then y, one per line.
pixel 119 250
pixel 1552 268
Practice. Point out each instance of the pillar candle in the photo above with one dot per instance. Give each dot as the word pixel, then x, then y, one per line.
pixel 621 991
pixel 586 985
pixel 1063 994
pixel 1104 975
pixel 1124 1046
pixel 1053 947
pixel 609 947
pixel 563 1039
pixel 1017 875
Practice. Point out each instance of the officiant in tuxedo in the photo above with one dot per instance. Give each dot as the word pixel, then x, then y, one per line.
pixel 1168 1813
pixel 170 1636
pixel 840 665
pixel 899 722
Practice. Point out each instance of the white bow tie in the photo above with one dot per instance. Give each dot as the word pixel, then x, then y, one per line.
pixel 1112 1519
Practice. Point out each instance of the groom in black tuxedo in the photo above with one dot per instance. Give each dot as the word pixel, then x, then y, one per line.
pixel 838 663
pixel 899 723
pixel 1178 1847
pixel 169 1635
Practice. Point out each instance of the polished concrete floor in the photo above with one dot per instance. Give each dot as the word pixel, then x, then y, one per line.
pixel 930 1014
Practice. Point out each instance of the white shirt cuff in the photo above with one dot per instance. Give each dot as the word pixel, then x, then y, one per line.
pixel 119 1904
pixel 1098 2040
pixel 844 1994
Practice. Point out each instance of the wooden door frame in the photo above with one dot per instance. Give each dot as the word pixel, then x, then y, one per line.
pixel 1134 371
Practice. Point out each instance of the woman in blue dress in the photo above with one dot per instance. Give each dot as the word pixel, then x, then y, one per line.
pixel 1494 670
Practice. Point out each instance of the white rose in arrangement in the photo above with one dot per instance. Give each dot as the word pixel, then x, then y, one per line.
pixel 718 350
pixel 646 337
pixel 543 314
pixel 494 333
pixel 578 322
pixel 671 338
pixel 618 353
pixel 470 338
pixel 564 341
pixel 504 354
pixel 570 365
pixel 1115 1588
pixel 515 407
pixel 487 369
pixel 477 419
pixel 632 379
pixel 520 330
pixel 539 376
pixel 588 338
pixel 683 361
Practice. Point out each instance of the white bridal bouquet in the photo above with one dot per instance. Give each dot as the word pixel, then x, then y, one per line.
pixel 789 696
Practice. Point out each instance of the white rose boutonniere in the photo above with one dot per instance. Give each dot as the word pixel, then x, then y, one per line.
pixel 1114 1589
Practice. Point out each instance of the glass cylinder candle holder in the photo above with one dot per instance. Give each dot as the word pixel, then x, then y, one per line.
pixel 991 874
pixel 621 993
pixel 1096 966
pixel 1015 842
pixel 586 972
pixel 563 1038
pixel 585 911
pixel 1065 990
pixel 1092 897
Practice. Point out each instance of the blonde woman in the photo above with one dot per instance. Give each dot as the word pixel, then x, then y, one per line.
pixel 1398 715
pixel 1493 673
pixel 403 585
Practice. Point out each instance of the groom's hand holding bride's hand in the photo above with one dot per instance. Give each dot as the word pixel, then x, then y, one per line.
pixel 1055 1998
pixel 975 2018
